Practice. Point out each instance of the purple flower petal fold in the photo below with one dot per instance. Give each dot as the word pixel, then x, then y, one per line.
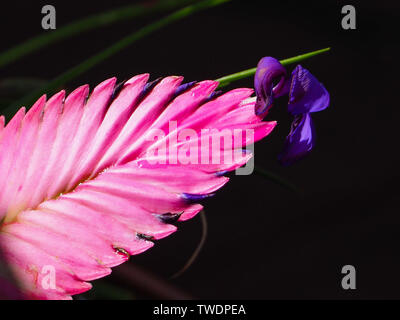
pixel 306 94
pixel 300 140
pixel 268 70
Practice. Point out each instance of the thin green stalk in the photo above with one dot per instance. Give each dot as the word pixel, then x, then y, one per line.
pixel 226 80
pixel 116 47
pixel 86 24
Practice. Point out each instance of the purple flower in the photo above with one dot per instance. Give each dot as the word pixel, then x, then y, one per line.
pixel 306 95
pixel 300 141
pixel 268 70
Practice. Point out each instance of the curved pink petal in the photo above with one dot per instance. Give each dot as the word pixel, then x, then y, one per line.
pixel 86 183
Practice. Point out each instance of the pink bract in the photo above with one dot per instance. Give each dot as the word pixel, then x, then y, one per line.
pixel 78 190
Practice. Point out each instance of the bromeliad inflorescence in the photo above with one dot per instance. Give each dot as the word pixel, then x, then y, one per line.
pixel 89 179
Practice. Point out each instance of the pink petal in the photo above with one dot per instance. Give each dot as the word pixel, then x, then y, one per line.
pixel 29 263
pixel 116 117
pixel 25 149
pixel 93 113
pixel 66 132
pixel 8 145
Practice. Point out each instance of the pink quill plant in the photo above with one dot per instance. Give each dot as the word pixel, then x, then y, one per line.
pixel 89 179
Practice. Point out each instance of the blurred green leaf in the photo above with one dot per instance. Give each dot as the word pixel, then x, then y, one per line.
pixel 14 87
pixel 116 47
pixel 92 22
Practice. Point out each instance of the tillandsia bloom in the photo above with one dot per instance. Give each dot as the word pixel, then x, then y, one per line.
pixel 306 95
pixel 88 180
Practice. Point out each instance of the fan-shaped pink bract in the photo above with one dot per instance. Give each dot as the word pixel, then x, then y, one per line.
pixel 81 185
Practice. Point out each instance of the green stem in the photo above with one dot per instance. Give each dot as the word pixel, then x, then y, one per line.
pixel 116 47
pixel 86 24
pixel 226 80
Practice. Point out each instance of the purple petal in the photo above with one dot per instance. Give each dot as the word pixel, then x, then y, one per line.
pixel 306 94
pixel 213 95
pixel 191 198
pixel 300 140
pixel 184 87
pixel 148 87
pixel 268 69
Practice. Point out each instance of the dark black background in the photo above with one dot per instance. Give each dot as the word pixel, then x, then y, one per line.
pixel 265 242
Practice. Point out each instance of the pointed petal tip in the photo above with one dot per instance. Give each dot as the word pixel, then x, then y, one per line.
pixel 211 83
pixel 170 230
pixel 42 99
pixel 146 246
pixel 190 212
pixel 82 88
pixel 97 274
pixel 221 182
pixel 54 105
pixel 20 113
pixel 77 94
pixel 202 88
pixel 105 84
pixel 36 108
pixel 138 78
pixel 270 125
pixel 56 97
pixel 172 80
